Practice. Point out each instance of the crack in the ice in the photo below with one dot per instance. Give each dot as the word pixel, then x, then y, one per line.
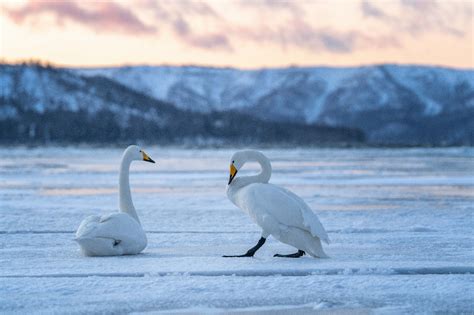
pixel 149 232
pixel 80 275
pixel 342 231
pixel 460 270
pixel 335 271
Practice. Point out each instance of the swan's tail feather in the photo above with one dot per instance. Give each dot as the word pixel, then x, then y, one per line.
pixel 326 240
pixel 302 240
pixel 316 249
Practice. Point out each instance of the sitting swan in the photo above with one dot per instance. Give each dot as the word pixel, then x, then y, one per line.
pixel 276 210
pixel 117 233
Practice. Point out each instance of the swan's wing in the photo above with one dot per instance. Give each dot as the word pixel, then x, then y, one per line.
pixel 117 226
pixel 285 207
pixel 310 219
pixel 88 225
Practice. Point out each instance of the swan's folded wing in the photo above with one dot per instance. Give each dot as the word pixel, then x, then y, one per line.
pixel 287 208
pixel 88 226
pixel 108 217
pixel 118 226
pixel 312 222
pixel 310 219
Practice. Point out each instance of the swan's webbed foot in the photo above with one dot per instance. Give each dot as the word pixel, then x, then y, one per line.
pixel 116 242
pixel 295 255
pixel 247 254
pixel 251 251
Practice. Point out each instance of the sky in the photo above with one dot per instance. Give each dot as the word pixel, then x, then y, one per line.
pixel 238 33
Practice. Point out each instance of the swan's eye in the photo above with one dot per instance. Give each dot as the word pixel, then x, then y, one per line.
pixel 232 162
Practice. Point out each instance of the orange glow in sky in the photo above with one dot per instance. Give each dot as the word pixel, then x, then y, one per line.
pixel 238 33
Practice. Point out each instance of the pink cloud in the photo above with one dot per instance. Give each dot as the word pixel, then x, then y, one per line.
pixel 212 41
pixel 177 16
pixel 100 16
pixel 419 17
pixel 300 34
pixel 207 41
pixel 183 18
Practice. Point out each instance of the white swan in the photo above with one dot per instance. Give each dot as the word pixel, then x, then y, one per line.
pixel 117 233
pixel 277 211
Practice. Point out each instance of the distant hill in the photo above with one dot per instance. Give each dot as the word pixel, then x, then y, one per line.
pixel 47 104
pixel 392 104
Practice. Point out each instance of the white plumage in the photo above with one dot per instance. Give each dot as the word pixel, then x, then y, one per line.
pixel 277 211
pixel 117 233
pixel 111 235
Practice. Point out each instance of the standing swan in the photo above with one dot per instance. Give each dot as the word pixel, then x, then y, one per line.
pixel 117 233
pixel 276 210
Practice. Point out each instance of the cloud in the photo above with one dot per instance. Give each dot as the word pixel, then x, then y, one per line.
pixel 206 41
pixel 177 16
pixel 283 24
pixel 418 17
pixel 419 5
pixel 301 35
pixel 295 30
pixel 196 7
pixel 430 15
pixel 99 16
pixel 370 10
pixel 292 7
pixel 181 27
pixel 211 41
pixel 291 29
pixel 168 10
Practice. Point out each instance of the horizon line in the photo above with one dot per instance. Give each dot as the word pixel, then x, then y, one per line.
pixel 43 62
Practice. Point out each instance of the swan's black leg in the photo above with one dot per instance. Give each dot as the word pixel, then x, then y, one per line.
pixel 251 251
pixel 295 255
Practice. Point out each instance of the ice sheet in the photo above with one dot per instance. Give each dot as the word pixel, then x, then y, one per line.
pixel 400 222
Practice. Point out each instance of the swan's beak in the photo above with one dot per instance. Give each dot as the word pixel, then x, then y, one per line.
pixel 233 172
pixel 147 158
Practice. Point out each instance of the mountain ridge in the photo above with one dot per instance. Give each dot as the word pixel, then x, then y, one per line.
pixel 48 104
pixel 338 97
pixel 390 104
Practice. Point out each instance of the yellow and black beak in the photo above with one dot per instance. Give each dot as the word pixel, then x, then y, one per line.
pixel 233 172
pixel 147 158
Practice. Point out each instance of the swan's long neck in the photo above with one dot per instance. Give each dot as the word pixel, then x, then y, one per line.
pixel 126 204
pixel 263 176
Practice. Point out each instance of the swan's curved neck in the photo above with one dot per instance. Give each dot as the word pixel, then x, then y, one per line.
pixel 263 176
pixel 126 204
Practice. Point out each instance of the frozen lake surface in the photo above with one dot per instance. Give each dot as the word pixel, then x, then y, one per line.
pixel 400 222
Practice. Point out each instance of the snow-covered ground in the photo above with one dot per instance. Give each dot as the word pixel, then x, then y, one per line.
pixel 400 221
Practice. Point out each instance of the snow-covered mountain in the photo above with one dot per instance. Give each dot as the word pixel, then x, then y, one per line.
pixel 203 89
pixel 40 103
pixel 391 103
